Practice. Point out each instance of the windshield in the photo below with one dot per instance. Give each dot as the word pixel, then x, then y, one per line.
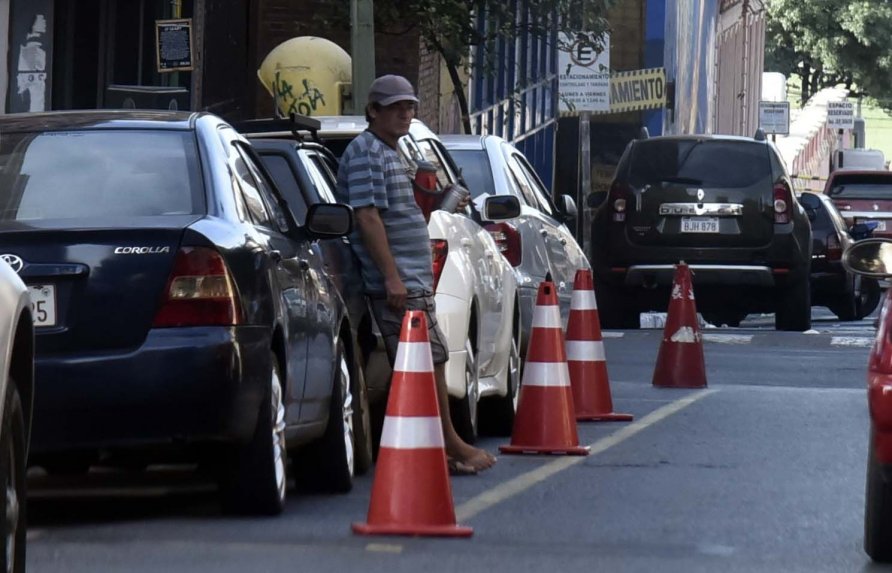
pixel 862 186
pixel 88 174
pixel 722 164
pixel 475 170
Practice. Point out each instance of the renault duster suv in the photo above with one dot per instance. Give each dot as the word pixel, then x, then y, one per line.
pixel 722 204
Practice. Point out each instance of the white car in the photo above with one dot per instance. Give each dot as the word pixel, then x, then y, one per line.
pixel 17 385
pixel 475 291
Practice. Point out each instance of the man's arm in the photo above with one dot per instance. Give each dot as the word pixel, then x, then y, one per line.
pixel 371 228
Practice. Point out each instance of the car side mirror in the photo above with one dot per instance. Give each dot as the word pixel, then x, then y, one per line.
pixel 567 206
pixel 870 258
pixel 329 220
pixel 501 207
pixel 812 214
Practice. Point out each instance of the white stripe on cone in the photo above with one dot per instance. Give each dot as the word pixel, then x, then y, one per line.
pixel 585 351
pixel 412 432
pixel 547 316
pixel 546 374
pixel 413 357
pixel 583 300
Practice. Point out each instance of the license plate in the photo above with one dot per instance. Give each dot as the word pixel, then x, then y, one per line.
pixel 43 304
pixel 699 224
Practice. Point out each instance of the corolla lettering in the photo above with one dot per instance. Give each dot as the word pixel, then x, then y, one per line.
pixel 141 250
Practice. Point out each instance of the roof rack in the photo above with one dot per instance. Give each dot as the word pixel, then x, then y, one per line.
pixel 295 123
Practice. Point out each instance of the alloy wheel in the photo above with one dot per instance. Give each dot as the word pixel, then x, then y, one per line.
pixel 277 409
pixel 347 412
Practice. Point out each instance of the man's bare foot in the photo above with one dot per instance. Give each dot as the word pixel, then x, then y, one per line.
pixel 476 458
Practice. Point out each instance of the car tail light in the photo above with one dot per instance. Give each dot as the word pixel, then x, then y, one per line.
pixel 439 250
pixel 617 199
pixel 507 240
pixel 834 248
pixel 783 203
pixel 199 291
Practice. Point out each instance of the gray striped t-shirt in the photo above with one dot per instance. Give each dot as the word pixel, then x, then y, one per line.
pixel 371 173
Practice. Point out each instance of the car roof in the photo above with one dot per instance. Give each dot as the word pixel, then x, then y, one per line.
pixel 701 137
pixel 98 119
pixel 463 141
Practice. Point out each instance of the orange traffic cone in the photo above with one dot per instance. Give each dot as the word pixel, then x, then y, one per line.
pixel 585 355
pixel 680 360
pixel 411 494
pixel 545 422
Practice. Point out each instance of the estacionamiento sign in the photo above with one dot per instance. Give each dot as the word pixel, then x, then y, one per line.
pixel 583 76
pixel 638 89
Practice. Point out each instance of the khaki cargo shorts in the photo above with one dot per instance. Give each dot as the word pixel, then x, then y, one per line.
pixel 390 322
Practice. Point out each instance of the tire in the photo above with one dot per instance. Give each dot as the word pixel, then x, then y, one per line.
pixel 68 464
pixel 869 298
pixel 13 447
pixel 846 308
pixel 329 464
pixel 877 512
pixel 254 483
pixel 793 311
pixel 464 410
pixel 363 456
pixel 497 412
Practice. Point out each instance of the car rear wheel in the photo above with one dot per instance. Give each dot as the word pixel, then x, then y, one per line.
pixel 329 464
pixel 793 311
pixel 877 511
pixel 255 481
pixel 497 412
pixel 615 308
pixel 12 465
pixel 464 410
pixel 868 297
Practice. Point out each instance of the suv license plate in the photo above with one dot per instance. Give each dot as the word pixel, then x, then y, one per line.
pixel 699 224
pixel 43 304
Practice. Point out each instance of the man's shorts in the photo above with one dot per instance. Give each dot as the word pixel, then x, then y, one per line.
pixel 390 322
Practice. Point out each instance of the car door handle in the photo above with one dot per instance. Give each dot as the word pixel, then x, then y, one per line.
pixel 276 256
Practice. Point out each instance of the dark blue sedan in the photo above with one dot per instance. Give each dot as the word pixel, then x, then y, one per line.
pixel 180 311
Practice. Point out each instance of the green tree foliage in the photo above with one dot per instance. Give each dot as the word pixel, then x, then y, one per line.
pixel 456 29
pixel 827 42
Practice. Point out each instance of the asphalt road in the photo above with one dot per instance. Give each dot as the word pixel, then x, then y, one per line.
pixel 762 471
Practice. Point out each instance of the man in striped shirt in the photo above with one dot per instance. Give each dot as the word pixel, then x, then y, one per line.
pixel 392 243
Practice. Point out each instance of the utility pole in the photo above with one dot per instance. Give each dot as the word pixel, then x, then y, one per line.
pixel 362 48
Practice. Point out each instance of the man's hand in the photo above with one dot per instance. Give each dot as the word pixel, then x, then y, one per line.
pixel 463 203
pixel 396 293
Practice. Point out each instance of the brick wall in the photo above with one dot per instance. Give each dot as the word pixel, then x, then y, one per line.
pixel 428 87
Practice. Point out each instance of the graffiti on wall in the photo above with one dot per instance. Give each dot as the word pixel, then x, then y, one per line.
pixel 293 100
pixel 31 68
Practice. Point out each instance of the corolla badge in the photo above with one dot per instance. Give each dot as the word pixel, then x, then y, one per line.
pixel 14 261
pixel 141 250
pixel 700 194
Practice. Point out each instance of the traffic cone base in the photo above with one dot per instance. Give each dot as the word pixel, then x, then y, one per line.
pixel 586 359
pixel 411 494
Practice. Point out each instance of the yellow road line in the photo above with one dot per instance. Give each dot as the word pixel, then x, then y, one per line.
pixel 523 482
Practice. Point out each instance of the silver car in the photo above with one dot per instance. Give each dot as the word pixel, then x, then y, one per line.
pixel 537 243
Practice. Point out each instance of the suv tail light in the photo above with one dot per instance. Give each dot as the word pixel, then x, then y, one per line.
pixel 199 291
pixel 834 248
pixel 783 203
pixel 507 240
pixel 617 198
pixel 439 250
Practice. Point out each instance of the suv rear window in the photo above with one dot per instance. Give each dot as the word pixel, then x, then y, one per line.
pixel 862 186
pixel 90 174
pixel 475 170
pixel 728 164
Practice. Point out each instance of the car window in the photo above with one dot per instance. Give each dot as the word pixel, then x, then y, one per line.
pixel 861 186
pixel 320 177
pixel 288 185
pixel 476 170
pixel 539 191
pixel 248 186
pixel 712 163
pixel 81 174
pixel 430 153
pixel 522 182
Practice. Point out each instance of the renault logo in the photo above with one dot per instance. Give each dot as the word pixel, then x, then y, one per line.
pixel 700 195
pixel 14 261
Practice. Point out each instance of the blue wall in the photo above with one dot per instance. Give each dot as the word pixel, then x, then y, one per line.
pixel 654 45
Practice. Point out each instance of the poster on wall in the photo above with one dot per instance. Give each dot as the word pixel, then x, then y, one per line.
pixel 583 74
pixel 30 56
pixel 173 45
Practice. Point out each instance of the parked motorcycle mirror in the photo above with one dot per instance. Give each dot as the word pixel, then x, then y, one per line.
pixel 501 207
pixel 870 258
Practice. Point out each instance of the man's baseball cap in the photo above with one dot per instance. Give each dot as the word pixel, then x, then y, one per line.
pixel 391 89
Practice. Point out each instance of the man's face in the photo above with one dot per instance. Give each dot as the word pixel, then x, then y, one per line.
pixel 393 120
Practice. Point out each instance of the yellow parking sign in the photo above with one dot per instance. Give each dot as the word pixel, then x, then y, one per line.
pixel 638 89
